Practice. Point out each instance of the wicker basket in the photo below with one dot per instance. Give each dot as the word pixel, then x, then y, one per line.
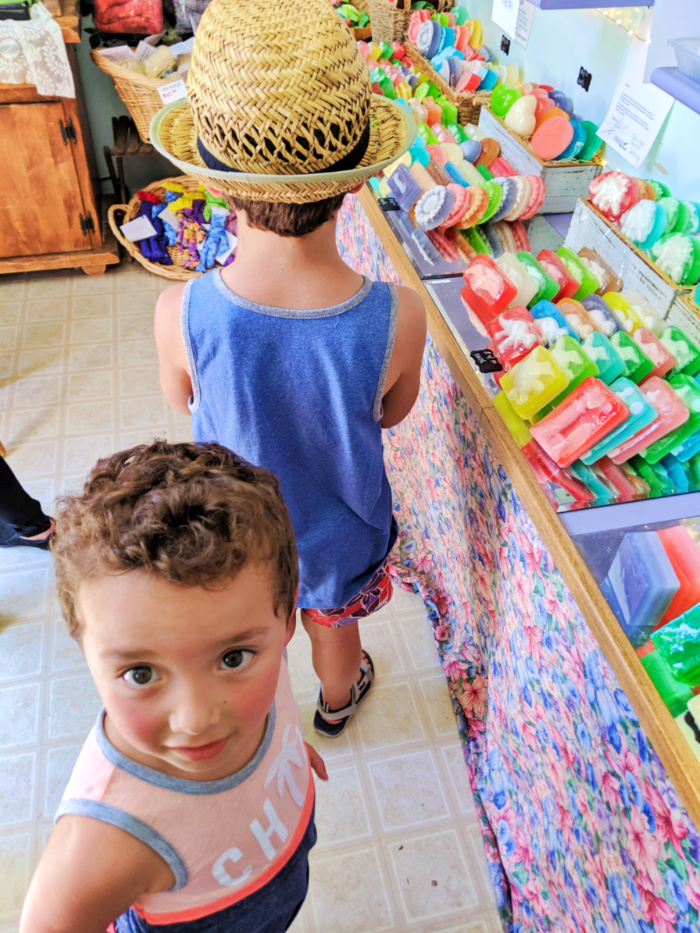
pixel 390 24
pixel 139 93
pixel 468 105
pixel 176 272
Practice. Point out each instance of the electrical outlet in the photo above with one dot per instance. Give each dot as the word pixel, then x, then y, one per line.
pixel 584 78
pixel 505 44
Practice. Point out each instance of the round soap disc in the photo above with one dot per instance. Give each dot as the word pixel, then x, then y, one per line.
pixel 536 197
pixel 495 193
pixel 683 219
pixel 678 256
pixel 660 189
pixel 672 206
pixel 510 191
pixel 471 149
pixel 489 234
pixel 551 138
pixel 693 217
pixel 505 235
pixel 638 222
pixel 577 143
pixel 522 241
pixel 659 225
pixel 524 188
pixel 434 207
pixel 490 150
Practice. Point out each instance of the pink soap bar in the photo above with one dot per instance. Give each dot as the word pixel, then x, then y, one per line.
pixel 501 168
pixel 552 138
pixel 554 267
pixel 672 413
pixel 650 344
pixel 487 291
pixel 513 334
pixel 585 416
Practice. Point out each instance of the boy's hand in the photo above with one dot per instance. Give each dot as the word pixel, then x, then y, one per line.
pixel 317 763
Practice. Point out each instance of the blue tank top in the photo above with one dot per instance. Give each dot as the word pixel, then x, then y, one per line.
pixel 300 393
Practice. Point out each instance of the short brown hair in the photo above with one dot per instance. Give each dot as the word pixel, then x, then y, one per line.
pixel 292 220
pixel 193 514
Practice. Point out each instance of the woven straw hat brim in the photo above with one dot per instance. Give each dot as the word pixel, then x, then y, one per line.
pixel 392 131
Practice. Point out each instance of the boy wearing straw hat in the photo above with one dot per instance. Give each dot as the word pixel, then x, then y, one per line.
pixel 288 356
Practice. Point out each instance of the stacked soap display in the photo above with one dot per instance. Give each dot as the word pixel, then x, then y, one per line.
pixel 451 204
pixel 600 393
pixel 544 116
pixel 663 227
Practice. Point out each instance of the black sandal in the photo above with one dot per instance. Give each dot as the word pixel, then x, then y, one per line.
pixel 324 716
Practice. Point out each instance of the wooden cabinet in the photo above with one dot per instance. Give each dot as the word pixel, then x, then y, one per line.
pixel 49 195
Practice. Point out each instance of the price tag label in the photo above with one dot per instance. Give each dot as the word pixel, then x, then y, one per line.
pixel 388 204
pixel 486 361
pixel 176 90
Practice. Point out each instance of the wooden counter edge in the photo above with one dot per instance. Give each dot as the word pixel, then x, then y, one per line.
pixel 69 21
pixel 654 717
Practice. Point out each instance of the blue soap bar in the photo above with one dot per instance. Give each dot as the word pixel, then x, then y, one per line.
pixel 543 310
pixel 488 82
pixel 471 149
pixel 456 175
pixel 678 475
pixel 602 491
pixel 609 362
pixel 641 583
pixel 642 413
pixel 577 143
pixel 688 449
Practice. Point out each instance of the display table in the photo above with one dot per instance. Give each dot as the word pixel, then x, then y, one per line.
pixel 577 778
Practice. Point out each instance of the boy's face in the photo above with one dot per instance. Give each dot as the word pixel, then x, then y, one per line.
pixel 187 675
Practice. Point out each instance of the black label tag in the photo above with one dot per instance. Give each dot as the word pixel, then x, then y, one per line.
pixel 486 361
pixel 388 204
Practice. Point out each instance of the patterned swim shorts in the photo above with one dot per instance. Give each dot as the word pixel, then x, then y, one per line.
pixel 374 594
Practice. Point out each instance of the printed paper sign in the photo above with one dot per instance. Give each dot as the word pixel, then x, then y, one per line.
pixel 176 90
pixel 118 53
pixel 636 112
pixel 524 22
pixel 138 229
pixel 505 15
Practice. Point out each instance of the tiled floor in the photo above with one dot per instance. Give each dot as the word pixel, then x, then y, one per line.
pixel 399 847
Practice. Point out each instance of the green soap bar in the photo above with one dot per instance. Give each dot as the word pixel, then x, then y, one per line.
pixel 667 481
pixel 461 15
pixel 458 132
pixel 450 113
pixel 660 189
pixel 495 193
pixel 592 144
pixel 643 489
pixel 547 288
pixel 601 489
pixel 689 393
pixel 477 242
pixel 674 694
pixel 588 283
pixel 686 353
pixel 609 362
pixel 576 365
pixel 679 644
pixel 485 172
pixel 650 476
pixel 637 363
pixel 426 134
pixel 694 467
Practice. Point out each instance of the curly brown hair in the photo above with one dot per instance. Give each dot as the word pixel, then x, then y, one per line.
pixel 290 220
pixel 193 514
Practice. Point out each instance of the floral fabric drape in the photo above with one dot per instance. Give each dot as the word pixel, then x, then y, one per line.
pixel 582 828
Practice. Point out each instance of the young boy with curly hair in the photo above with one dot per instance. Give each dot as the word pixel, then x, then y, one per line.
pixel 191 806
pixel 288 355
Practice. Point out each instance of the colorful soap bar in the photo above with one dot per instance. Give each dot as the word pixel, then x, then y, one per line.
pixel 513 336
pixel 583 419
pixel 626 316
pixel 663 360
pixel 551 323
pixel 615 475
pixel 651 475
pixel 679 643
pixel 640 584
pixel 608 280
pixel 641 486
pixel 688 391
pixel 647 315
pixel 487 291
pixel 684 554
pixel 519 430
pixel 602 491
pixel 561 488
pixel 533 382
pixel 588 283
pixel 575 364
pixel 671 413
pixel 547 288
pixel 641 414
pixel 609 362
pixel 637 364
pixel 555 268
pixel 680 473
pixel 682 347
pixel 674 694
pixel 518 274
pixel 601 315
pixel 577 317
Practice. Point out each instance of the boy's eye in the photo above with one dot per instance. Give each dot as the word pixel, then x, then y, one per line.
pixel 236 659
pixel 140 676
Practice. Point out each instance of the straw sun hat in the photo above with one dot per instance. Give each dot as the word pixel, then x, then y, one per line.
pixel 279 105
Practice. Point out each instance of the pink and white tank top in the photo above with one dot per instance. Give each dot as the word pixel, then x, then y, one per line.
pixel 222 839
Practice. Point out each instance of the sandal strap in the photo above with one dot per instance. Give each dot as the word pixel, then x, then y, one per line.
pixel 358 691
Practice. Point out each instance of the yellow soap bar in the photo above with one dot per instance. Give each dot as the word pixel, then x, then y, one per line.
pixel 533 382
pixel 518 429
pixel 623 311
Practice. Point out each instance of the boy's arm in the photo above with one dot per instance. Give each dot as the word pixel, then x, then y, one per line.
pixel 403 376
pixel 172 360
pixel 89 874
